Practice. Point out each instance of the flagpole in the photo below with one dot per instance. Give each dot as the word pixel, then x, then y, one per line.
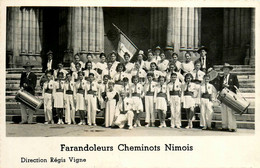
pixel 120 31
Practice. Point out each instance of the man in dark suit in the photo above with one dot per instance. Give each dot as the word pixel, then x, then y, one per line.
pixel 229 81
pixel 28 83
pixel 50 63
pixel 206 62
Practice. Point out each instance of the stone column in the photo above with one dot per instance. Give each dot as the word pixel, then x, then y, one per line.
pixel 252 39
pixel 183 29
pixel 85 27
pixel 23 36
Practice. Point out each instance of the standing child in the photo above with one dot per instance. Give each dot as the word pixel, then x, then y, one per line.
pixel 173 94
pixel 110 97
pixel 59 97
pixel 47 93
pixel 149 89
pixel 80 87
pixel 92 88
pixel 75 73
pixel 126 87
pixel 136 95
pixel 138 71
pixel 118 77
pixel 70 96
pixel 188 94
pixel 206 106
pixel 102 90
pixel 160 99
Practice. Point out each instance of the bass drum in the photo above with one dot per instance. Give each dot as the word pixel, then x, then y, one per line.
pixel 234 101
pixel 28 100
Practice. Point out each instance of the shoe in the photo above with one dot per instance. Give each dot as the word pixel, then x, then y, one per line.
pixel 80 123
pixel 160 126
pixel 153 125
pixel 147 125
pixel 164 124
pixel 61 122
pixel 178 127
pixel 58 122
pixel 135 125
pixel 23 122
pixel 232 130
pixel 204 128
pixel 69 123
pixel 130 127
pixel 89 124
pixel 187 127
pixel 94 124
pixel 172 126
pixel 46 122
pixel 122 126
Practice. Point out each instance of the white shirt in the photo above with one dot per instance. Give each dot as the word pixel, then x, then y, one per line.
pixel 129 66
pixel 162 66
pixel 49 64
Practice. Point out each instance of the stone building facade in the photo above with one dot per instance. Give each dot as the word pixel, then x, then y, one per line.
pixel 32 31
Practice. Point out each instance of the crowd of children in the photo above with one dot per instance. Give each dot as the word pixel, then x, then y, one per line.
pixel 125 90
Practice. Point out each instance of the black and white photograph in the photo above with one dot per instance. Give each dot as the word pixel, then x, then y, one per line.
pixel 124 82
pixel 72 69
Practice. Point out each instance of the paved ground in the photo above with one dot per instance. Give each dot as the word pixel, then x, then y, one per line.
pixel 41 130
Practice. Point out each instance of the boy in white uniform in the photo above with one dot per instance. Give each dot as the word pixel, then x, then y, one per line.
pixel 91 94
pixel 173 94
pixel 126 115
pixel 149 89
pixel 77 60
pixel 70 98
pixel 207 91
pixel 47 93
pixel 60 69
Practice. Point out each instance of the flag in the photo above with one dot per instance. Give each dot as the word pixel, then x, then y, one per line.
pixel 124 45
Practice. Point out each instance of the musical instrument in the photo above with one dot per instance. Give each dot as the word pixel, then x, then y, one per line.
pixel 28 99
pixel 235 101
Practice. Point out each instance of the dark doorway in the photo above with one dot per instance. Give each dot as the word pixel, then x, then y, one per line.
pixel 50 33
pixel 212 32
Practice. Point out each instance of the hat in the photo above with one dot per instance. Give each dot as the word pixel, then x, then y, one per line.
pixel 141 52
pixel 226 65
pixel 202 48
pixel 28 64
pixel 158 48
pixel 169 48
pixel 49 52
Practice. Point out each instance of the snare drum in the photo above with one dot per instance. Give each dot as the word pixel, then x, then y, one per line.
pixel 233 101
pixel 28 99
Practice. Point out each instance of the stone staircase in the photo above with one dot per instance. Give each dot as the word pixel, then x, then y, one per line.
pixel 245 73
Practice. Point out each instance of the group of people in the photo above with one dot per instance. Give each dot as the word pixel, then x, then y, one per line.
pixel 124 90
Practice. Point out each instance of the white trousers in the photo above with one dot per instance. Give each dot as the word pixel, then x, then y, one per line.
pixel 206 112
pixel 149 109
pixel 92 108
pixel 110 112
pixel 228 117
pixel 123 118
pixel 26 111
pixel 48 106
pixel 175 111
pixel 69 108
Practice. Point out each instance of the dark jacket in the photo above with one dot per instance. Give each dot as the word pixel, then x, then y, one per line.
pixel 232 81
pixel 209 63
pixel 30 81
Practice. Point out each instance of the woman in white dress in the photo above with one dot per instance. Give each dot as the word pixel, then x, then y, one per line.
pixel 163 63
pixel 111 97
pixel 188 65
pixel 160 100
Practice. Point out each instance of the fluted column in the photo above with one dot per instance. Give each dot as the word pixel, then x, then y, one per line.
pixel 252 42
pixel 85 27
pixel 23 41
pixel 183 29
